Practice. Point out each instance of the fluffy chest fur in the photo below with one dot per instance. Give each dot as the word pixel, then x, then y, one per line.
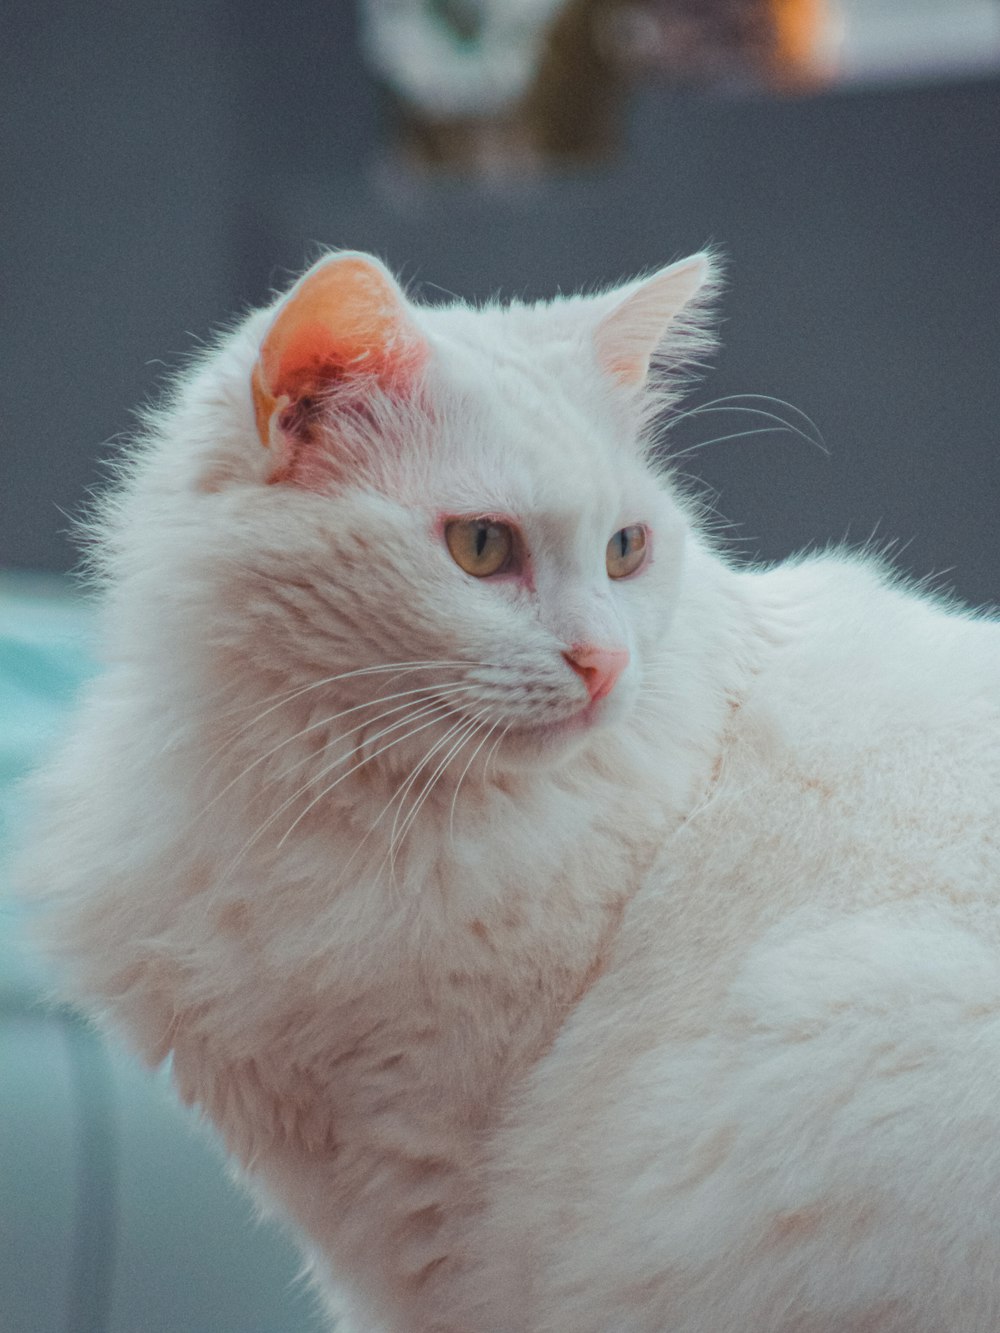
pixel 393 1011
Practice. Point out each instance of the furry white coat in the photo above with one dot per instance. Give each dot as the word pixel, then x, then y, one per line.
pixel 534 1008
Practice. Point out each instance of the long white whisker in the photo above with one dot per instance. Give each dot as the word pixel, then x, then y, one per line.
pixel 493 750
pixel 734 402
pixel 404 785
pixel 783 402
pixel 461 778
pixel 407 787
pixel 469 730
pixel 434 709
pixel 452 688
pixel 288 696
pixel 780 423
pixel 275 814
pixel 422 710
pixel 356 673
pixel 721 439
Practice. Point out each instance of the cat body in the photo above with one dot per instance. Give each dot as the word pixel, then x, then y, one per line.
pixel 604 939
pixel 778 1107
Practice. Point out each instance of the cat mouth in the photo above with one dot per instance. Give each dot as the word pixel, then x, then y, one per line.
pixel 549 735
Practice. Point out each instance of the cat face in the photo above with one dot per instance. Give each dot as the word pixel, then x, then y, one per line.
pixel 438 525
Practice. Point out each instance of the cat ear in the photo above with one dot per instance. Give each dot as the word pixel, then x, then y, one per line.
pixel 346 319
pixel 640 319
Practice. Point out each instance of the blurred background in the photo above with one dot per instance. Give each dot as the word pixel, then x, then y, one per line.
pixel 165 166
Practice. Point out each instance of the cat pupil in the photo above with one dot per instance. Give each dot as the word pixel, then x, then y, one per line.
pixel 482 533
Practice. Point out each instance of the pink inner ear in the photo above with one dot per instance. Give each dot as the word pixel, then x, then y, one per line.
pixel 345 317
pixel 629 335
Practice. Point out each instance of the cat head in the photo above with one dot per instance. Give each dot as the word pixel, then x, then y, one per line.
pixel 440 524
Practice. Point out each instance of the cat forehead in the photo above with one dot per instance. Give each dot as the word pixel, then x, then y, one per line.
pixel 527 450
pixel 527 378
pixel 552 474
pixel 531 342
pixel 515 415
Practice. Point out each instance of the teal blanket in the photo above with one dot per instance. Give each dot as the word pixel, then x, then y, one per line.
pixel 115 1214
pixel 44 658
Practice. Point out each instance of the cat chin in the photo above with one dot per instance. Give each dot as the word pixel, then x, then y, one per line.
pixel 553 743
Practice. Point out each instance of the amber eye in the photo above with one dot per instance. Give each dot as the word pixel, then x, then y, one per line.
pixel 480 546
pixel 626 551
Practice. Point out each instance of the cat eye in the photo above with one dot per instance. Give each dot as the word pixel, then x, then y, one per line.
pixel 480 546
pixel 626 551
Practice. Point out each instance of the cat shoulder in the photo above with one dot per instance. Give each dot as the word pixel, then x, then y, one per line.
pixel 853 602
pixel 861 652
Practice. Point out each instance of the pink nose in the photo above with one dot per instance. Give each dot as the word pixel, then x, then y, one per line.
pixel 599 668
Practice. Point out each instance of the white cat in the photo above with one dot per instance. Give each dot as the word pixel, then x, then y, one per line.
pixel 569 930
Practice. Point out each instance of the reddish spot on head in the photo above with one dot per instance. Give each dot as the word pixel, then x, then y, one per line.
pixel 598 667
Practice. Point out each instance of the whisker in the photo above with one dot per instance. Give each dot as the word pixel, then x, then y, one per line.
pixel 780 423
pixel 382 814
pixel 492 754
pixel 436 708
pixel 451 688
pixel 432 710
pixel 721 439
pixel 472 726
pixel 470 730
pixel 792 407
pixel 735 402
pixel 374 669
pixel 461 778
pixel 288 696
pixel 398 832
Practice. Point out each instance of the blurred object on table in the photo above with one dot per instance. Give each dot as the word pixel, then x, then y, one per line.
pixel 504 87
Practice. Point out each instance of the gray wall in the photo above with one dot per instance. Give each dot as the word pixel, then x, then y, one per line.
pixel 165 170
pixel 139 145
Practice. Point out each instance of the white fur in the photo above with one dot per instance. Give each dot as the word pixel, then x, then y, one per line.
pixel 689 1021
